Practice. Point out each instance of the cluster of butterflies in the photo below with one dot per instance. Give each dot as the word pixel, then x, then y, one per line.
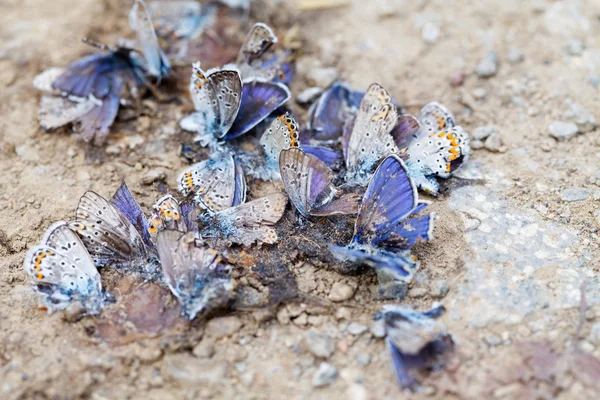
pixel 386 157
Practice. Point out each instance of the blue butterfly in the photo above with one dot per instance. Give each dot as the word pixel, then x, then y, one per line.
pixel 414 340
pixel 386 229
pixel 436 149
pixel 327 116
pixel 93 87
pixel 226 108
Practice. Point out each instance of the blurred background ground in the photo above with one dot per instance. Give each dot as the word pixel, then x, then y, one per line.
pixel 510 261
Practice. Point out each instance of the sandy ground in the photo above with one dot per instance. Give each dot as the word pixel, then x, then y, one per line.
pixel 514 251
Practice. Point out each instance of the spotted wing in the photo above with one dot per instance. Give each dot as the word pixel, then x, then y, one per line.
pixel 251 222
pixel 126 204
pixel 435 117
pixel 370 139
pixel 107 234
pixel 282 134
pixel 56 111
pixel 257 42
pixel 227 87
pixel 213 183
pixel 167 214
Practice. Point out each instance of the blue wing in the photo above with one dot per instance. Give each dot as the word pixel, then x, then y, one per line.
pixel 124 202
pixel 402 267
pixel 329 156
pixel 331 111
pixel 259 99
pixel 407 233
pixel 390 197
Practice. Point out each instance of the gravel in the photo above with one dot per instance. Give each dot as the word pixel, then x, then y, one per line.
pixel 325 375
pixel 482 132
pixel 562 130
pixel 223 327
pixel 574 194
pixel 341 291
pixel 488 66
pixel 319 344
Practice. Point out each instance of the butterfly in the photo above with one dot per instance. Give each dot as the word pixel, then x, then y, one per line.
pixel 62 271
pixel 367 138
pixel 327 116
pixel 414 340
pixel 167 214
pixel 226 109
pixel 217 183
pixel 246 223
pixel 281 134
pixel 89 91
pixel 257 60
pixel 195 273
pixel 114 232
pixel 308 182
pixel 181 19
pixel 437 149
pixel 385 229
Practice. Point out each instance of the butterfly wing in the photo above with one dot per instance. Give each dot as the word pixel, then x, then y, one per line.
pixel 125 203
pixel 239 194
pixel 212 182
pixel 435 117
pixel 167 214
pixel 60 280
pixel 400 265
pixel 108 235
pixel 329 114
pixel 257 42
pixel 282 134
pixel 227 87
pixel 181 18
pixel 157 64
pixel 329 156
pixel 390 197
pixel 406 234
pixel 250 222
pixel 370 139
pixel 259 99
pixel 205 101
pixel 406 126
pixel 56 111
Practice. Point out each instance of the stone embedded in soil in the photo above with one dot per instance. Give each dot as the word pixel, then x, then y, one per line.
pixel 574 194
pixel 488 66
pixel 223 327
pixel 457 78
pixel 477 144
pixel 389 287
pixel 575 47
pixel 494 143
pixel 562 130
pixel 308 95
pixel 438 288
pixel 319 344
pixel 204 349
pixel 377 328
pixel 283 316
pixel 482 132
pixel 325 375
pixel 354 328
pixel 322 77
pixel 581 117
pixel 430 33
pixel 417 292
pixel 154 175
pixel 595 334
pixel 515 56
pixel 186 369
pixel 341 291
pixel 301 320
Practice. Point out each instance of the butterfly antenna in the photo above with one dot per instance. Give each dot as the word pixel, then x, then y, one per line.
pixel 93 43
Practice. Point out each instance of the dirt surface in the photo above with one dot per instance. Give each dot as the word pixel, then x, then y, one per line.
pixel 516 252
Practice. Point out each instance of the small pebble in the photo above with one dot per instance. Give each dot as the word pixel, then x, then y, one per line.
pixel 204 349
pixel 479 93
pixel 493 340
pixel 325 375
pixel 457 78
pixel 476 144
pixel 483 132
pixel 341 291
pixel 488 66
pixel 515 56
pixel 309 95
pixel 223 326
pixel 562 130
pixel 283 316
pixel 301 320
pixel 438 288
pixel 319 344
pixel 574 194
pixel 575 47
pixel 417 292
pixel 322 77
pixel 582 118
pixel 154 175
pixel 494 143
pixel 430 33
pixel 356 329
pixel 377 328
